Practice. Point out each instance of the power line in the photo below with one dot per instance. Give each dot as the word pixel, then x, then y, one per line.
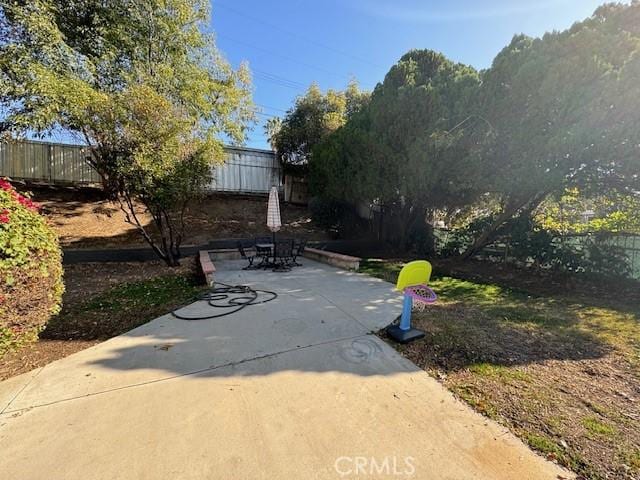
pixel 278 80
pixel 280 84
pixel 272 108
pixel 286 57
pixel 265 114
pixel 296 35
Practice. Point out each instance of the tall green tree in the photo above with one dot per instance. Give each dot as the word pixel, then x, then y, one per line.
pixel 406 150
pixel 564 113
pixel 271 128
pixel 141 83
pixel 313 118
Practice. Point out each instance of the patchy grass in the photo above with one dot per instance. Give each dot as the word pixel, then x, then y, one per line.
pixel 562 373
pixel 597 427
pixel 101 301
pixel 554 451
pixel 499 372
pixel 631 458
pixel 543 444
pixel 470 393
pixel 121 308
pixel 147 294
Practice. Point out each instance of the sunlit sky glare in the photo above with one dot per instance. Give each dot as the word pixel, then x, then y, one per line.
pixel 291 43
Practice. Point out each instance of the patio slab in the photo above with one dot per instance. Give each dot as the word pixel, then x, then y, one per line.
pixel 316 304
pixel 12 387
pixel 295 388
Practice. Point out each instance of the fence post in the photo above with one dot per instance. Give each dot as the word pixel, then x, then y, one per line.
pixel 50 162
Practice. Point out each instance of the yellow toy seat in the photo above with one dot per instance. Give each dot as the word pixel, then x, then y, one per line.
pixel 414 273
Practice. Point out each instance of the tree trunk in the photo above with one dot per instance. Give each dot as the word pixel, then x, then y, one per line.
pixel 511 208
pixel 403 227
pixel 163 223
pixel 168 250
pixel 486 237
pixel 430 246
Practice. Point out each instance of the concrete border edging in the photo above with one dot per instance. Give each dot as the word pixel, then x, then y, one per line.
pixel 224 254
pixel 331 258
pixel 144 253
pixel 206 257
pixel 207 266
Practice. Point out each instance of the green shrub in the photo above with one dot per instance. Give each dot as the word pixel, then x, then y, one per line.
pixel 30 268
pixel 531 245
pixel 326 213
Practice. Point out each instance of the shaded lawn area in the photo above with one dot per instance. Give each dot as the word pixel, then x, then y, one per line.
pixel 101 301
pixel 563 374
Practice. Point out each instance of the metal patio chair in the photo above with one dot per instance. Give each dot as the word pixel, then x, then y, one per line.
pixel 283 255
pixel 298 250
pixel 247 252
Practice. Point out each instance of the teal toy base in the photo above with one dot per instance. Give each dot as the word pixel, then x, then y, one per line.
pixel 404 336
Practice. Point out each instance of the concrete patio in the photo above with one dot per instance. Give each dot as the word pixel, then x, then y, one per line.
pixel 294 388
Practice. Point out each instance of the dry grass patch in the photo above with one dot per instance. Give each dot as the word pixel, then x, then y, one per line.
pixel 562 374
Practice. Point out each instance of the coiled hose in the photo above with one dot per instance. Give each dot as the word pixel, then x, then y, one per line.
pixel 235 297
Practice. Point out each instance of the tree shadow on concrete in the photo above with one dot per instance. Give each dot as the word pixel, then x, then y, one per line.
pixel 334 317
pixel 323 322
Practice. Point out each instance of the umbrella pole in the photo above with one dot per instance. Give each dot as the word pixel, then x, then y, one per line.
pixel 273 240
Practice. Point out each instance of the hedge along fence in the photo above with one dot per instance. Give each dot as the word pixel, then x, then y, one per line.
pixel 628 243
pixel 30 268
pixel 625 246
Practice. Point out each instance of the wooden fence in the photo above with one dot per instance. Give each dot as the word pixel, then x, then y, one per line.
pixel 246 170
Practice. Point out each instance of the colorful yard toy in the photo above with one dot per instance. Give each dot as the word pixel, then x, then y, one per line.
pixel 412 280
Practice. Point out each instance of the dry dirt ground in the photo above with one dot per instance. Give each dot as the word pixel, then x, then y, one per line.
pixel 101 301
pixel 83 218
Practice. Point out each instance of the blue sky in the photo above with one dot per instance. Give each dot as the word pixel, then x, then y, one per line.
pixel 291 43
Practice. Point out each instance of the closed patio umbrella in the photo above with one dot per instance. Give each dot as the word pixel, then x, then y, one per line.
pixel 273 212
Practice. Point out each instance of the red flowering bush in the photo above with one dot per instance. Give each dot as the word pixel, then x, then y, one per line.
pixel 30 267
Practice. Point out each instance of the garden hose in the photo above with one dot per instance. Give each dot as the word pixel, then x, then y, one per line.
pixel 235 297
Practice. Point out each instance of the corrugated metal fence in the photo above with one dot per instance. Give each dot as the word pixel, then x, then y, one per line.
pixel 46 162
pixel 245 170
